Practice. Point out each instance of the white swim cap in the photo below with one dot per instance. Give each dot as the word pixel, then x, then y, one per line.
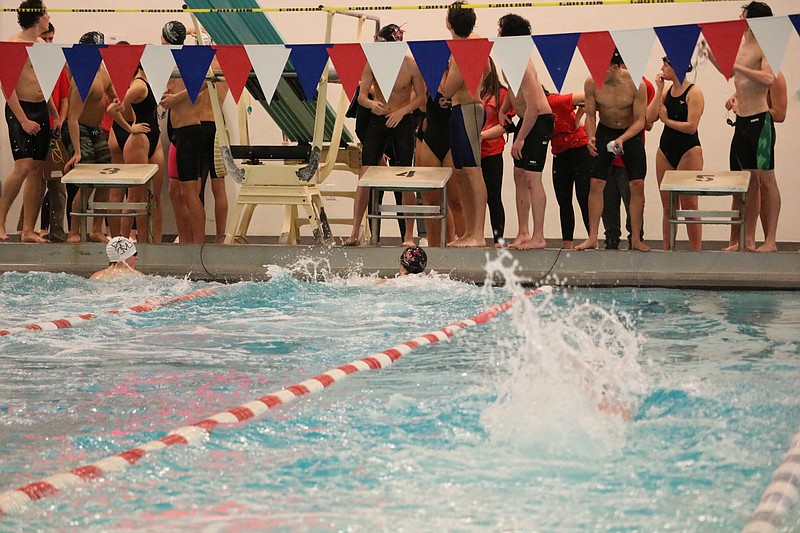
pixel 119 249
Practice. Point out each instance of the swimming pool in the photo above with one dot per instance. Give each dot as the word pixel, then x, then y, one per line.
pixel 496 429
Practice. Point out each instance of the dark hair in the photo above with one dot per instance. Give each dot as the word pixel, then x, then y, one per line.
pixel 492 84
pixel 28 19
pixel 546 92
pixel 616 58
pixel 92 37
pixel 512 25
pixel 50 28
pixel 390 33
pixel 461 19
pixel 756 9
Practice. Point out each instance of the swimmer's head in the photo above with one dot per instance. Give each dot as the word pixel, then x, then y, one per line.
pixel 119 249
pixel 390 33
pixel 755 10
pixel 174 32
pixel 414 260
pixel 461 19
pixel 92 37
pixel 616 59
pixel 666 60
pixel 512 25
pixel 30 11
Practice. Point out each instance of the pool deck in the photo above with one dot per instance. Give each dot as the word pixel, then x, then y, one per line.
pixel 707 269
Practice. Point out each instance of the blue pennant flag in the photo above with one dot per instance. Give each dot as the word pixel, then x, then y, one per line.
pixel 557 51
pixel 431 58
pixel 83 61
pixel 796 21
pixel 193 63
pixel 309 61
pixel 679 43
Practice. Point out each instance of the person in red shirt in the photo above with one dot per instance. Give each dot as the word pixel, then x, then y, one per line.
pixel 572 162
pixel 492 144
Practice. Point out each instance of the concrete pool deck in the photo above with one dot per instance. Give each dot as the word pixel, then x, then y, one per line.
pixel 707 269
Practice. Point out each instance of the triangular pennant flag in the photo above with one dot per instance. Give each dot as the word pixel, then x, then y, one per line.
pixel 635 46
pixel 158 63
pixel 83 61
pixel 772 34
pixel 309 61
pixel 471 56
pixel 513 53
pixel 121 61
pixel 385 60
pixel 193 63
pixel 269 61
pixel 557 51
pixel 349 61
pixel 236 66
pixel 14 55
pixel 796 21
pixel 432 58
pixel 48 62
pixel 724 39
pixel 679 43
pixel 597 49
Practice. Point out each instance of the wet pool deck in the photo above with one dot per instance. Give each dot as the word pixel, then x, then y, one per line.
pixel 707 269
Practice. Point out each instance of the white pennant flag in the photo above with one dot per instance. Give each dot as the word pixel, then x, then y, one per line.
pixel 269 61
pixel 48 61
pixel 772 34
pixel 158 63
pixel 385 60
pixel 513 54
pixel 635 46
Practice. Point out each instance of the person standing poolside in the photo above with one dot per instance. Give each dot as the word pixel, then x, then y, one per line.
pixel 572 162
pixel 122 258
pixel 27 115
pixel 189 139
pixel 492 145
pixel 621 106
pixel 530 143
pixel 84 139
pixel 391 120
pixel 680 107
pixel 466 123
pixel 753 143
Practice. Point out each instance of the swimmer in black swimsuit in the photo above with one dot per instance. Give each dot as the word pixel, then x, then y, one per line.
pixel 679 107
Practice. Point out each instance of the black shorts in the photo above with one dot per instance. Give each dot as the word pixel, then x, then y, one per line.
pixel 23 145
pixel 753 143
pixel 534 151
pixel 189 144
pixel 632 154
pixel 378 138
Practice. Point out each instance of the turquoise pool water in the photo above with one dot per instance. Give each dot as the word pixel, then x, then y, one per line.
pixel 495 430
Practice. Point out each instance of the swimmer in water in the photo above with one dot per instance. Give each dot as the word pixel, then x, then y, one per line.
pixel 122 257
pixel 413 260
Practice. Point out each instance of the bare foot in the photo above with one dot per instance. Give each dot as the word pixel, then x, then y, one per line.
pixel 532 244
pixel 767 248
pixel 567 245
pixel 518 240
pixel 72 239
pixel 408 243
pixel 468 243
pixel 219 240
pixel 351 241
pixel 731 248
pixel 3 234
pixel 500 244
pixel 98 237
pixel 31 236
pixel 588 244
pixel 640 246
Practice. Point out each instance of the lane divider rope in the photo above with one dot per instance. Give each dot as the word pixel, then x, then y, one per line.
pixel 15 501
pixel 781 493
pixel 64 323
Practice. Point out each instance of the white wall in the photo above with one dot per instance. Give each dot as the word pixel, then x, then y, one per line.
pixel 429 24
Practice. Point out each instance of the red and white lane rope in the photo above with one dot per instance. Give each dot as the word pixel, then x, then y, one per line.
pixel 781 493
pixel 15 501
pixel 64 323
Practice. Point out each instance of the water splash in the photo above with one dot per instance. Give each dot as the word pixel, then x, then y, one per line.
pixel 568 377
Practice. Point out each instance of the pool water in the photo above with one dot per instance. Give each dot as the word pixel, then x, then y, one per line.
pixel 497 429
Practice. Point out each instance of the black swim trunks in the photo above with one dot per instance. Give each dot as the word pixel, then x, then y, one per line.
pixel 189 156
pixel 534 151
pixel 632 154
pixel 94 144
pixel 753 143
pixel 380 139
pixel 23 145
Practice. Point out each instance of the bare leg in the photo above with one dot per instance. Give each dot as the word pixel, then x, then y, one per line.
pixel 11 188
pixel 180 210
pixel 360 203
pixel 693 160
pixel 538 197
pixel 196 215
pixel 523 200
pixel 770 209
pixel 220 208
pixel 475 209
pixel 409 198
pixel 595 213
pixel 637 215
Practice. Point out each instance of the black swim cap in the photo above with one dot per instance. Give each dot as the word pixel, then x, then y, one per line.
pixel 92 37
pixel 174 32
pixel 414 259
pixel 390 33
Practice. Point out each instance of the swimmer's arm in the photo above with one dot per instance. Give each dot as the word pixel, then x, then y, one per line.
pixel 655 103
pixel 762 76
pixel 696 104
pixel 453 82
pixel 590 107
pixel 639 112
pixel 777 99
pixel 75 110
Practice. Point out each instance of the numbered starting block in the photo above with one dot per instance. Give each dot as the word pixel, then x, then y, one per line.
pixel 94 176
pixel 405 179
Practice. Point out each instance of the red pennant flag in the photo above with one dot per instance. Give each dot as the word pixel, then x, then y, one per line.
pixel 236 66
pixel 14 55
pixel 471 56
pixel 349 61
pixel 724 39
pixel 121 61
pixel 597 48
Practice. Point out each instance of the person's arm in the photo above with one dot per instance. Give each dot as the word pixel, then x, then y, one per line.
pixel 367 80
pixel 590 107
pixel 75 111
pixel 497 130
pixel 135 93
pixel 453 82
pixel 639 112
pixel 696 103
pixel 777 99
pixel 416 100
pixel 762 76
pixel 655 105
pixel 530 84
